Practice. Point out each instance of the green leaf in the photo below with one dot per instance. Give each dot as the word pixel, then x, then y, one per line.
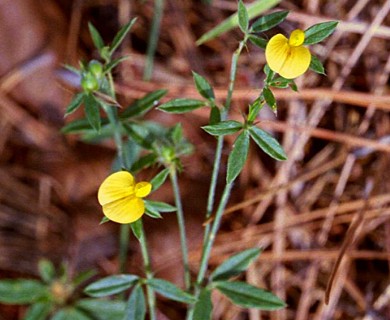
pixel 112 64
pixel 223 128
pixel 159 206
pixel 170 291
pixel 136 228
pixel 269 98
pixel 204 88
pixel 267 143
pixel 238 156
pixel 96 37
pixel 243 18
pixel 159 179
pixel 316 65
pixel 92 111
pixel 176 133
pixel 319 32
pixel 46 270
pixel 74 104
pixel 139 134
pixel 235 264
pixel 136 306
pixel 121 35
pixel 70 313
pixel 269 21
pixel 280 83
pixel 38 311
pixel 20 291
pixel 181 105
pixel 269 74
pixel 83 276
pixel 203 307
pixel 110 285
pixel 248 296
pixel 254 9
pixel 101 309
pixel 258 41
pixel 153 213
pixel 254 109
pixel 215 115
pixel 144 162
pixel 104 220
pixel 143 105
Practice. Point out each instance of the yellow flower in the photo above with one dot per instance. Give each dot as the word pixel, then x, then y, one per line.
pixel 121 197
pixel 288 57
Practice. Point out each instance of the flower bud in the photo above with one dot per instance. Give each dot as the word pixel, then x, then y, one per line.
pixel 96 68
pixel 89 82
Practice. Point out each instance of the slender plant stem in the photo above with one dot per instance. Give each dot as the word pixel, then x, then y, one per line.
pixel 181 223
pixel 123 245
pixel 153 38
pixel 148 271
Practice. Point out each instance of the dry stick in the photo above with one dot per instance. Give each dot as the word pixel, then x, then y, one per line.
pixel 347 242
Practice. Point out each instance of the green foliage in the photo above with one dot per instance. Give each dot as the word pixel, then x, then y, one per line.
pixel 258 41
pixel 120 36
pixel 38 311
pixel 223 128
pixel 170 291
pixel 319 32
pixel 254 109
pixel 243 17
pixel 204 88
pixel 269 21
pixel 159 179
pixel 101 309
pixel 203 307
pixel 22 291
pixel 111 285
pixel 235 264
pixel 46 270
pixel 74 104
pixel 254 9
pixel 316 65
pixel 215 115
pixel 143 105
pixel 70 313
pixel 159 206
pixel 96 37
pixel 136 228
pixel 238 156
pixel 248 296
pixel 269 98
pixel 136 306
pixel 181 105
pixel 92 111
pixel 267 143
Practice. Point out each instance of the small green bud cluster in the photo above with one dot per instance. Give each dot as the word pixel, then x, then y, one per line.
pixel 91 77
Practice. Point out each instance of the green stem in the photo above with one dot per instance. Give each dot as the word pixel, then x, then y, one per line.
pixel 148 272
pixel 153 38
pixel 181 223
pixel 123 247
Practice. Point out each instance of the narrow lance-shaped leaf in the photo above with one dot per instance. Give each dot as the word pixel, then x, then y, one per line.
pixel 269 98
pixel 238 156
pixel 181 105
pixel 136 306
pixel 96 37
pixel 258 41
pixel 21 291
pixel 102 309
pixel 74 104
pixel 159 206
pixel 38 311
pixel 254 9
pixel 223 128
pixel 267 143
pixel 136 228
pixel 121 35
pixel 255 108
pixel 92 111
pixel 269 21
pixel 143 105
pixel 316 65
pixel 111 285
pixel 153 213
pixel 159 179
pixel 243 18
pixel 319 32
pixel 215 115
pixel 248 296
pixel 144 162
pixel 204 88
pixel 235 264
pixel 70 313
pixel 203 307
pixel 169 290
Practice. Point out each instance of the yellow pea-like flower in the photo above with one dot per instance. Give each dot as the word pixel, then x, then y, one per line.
pixel 121 197
pixel 288 57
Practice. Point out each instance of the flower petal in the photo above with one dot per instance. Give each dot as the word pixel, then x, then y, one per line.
pixel 296 64
pixel 276 52
pixel 116 186
pixel 142 189
pixel 126 210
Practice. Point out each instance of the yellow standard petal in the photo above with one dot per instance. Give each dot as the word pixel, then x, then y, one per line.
pixel 142 189
pixel 126 210
pixel 296 63
pixel 116 186
pixel 276 52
